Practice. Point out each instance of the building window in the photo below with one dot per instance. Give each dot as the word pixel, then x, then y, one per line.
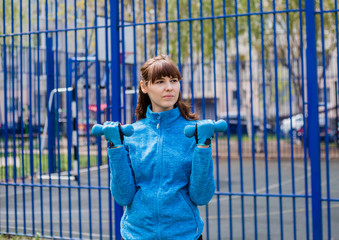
pixel 234 97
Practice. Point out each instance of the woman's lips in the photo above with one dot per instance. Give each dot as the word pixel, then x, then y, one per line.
pixel 168 96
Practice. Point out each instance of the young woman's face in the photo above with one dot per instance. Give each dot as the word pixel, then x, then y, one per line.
pixel 164 93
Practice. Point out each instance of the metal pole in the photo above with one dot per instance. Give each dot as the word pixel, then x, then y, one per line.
pixel 115 81
pixel 51 113
pixel 313 119
pixel 336 113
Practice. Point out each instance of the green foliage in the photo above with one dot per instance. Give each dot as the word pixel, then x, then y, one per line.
pixel 10 23
pixel 200 27
pixel 243 23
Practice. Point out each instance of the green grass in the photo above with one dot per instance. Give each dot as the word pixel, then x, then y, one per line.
pixel 246 138
pixel 5 237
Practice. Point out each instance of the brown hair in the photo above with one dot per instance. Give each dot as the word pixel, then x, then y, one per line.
pixel 156 68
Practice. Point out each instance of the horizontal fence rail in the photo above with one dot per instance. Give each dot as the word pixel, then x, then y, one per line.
pixel 268 68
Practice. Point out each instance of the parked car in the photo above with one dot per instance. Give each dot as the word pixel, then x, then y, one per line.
pixel 331 133
pixel 297 124
pixel 233 124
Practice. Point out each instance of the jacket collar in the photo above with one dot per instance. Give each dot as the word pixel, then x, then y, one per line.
pixel 169 116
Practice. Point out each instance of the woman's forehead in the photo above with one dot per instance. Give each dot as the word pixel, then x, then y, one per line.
pixel 163 69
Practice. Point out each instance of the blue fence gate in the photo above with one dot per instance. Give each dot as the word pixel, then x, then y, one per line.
pixel 269 68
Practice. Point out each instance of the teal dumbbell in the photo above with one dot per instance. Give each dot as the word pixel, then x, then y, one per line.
pixel 127 130
pixel 219 126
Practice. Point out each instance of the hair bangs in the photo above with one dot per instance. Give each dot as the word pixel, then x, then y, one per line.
pixel 162 69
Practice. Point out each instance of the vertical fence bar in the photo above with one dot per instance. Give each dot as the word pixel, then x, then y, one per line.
pixel 203 90
pixel 215 117
pixel 145 32
pixel 51 123
pixel 40 150
pixel 313 119
pixel 115 78
pixel 155 28
pixel 304 120
pixel 107 64
pixel 14 126
pixel 75 141
pixel 239 88
pixel 178 36
pixel 252 121
pixel 51 115
pixel 202 62
pixel 98 99
pixel 68 68
pixel 31 158
pixel 122 57
pixel 6 121
pixel 191 53
pixel 75 136
pixel 1 174
pixel 337 83
pixel 277 118
pixel 3 123
pixel 22 127
pixel 166 10
pixel 265 117
pixel 135 64
pixel 291 111
pixel 328 191
pixel 70 127
pixel 57 112
pixel 1 171
pixel 228 123
pixel 108 112
pixel 87 124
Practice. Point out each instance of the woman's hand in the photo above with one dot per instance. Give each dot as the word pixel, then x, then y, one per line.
pixel 204 133
pixel 113 134
pixel 204 130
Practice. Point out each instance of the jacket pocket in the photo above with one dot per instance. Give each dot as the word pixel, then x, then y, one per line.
pixel 189 204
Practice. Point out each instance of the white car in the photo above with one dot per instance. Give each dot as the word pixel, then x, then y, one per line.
pixel 297 123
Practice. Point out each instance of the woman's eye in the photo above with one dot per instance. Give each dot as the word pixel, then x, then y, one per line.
pixel 174 80
pixel 158 82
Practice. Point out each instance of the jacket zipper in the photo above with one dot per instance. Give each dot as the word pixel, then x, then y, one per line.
pixel 160 169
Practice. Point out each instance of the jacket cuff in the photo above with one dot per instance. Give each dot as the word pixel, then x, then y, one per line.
pixel 204 151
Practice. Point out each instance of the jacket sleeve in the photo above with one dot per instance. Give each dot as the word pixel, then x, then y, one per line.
pixel 122 182
pixel 202 184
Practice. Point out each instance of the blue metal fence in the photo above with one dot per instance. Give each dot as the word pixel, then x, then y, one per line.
pixel 269 68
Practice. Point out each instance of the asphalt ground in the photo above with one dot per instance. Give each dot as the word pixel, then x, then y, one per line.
pixel 87 208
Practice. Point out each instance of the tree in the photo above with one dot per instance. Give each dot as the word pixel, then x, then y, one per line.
pixel 287 26
pixel 11 22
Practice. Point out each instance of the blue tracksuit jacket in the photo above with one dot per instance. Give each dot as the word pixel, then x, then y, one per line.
pixel 161 176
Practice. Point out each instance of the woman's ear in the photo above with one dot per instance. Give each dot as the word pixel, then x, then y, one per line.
pixel 143 86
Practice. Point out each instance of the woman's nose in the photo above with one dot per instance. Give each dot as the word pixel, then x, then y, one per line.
pixel 168 86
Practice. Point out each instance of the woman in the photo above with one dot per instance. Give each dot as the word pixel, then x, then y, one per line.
pixel 159 174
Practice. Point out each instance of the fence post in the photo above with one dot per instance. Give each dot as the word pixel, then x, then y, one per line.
pixel 313 119
pixel 115 81
pixel 50 112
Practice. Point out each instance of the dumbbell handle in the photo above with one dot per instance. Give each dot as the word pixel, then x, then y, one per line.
pixel 219 126
pixel 127 130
